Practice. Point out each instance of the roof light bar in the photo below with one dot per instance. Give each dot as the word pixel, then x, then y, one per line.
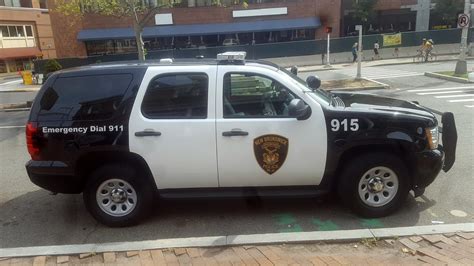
pixel 232 56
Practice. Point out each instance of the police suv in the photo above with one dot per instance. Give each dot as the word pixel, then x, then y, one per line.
pixel 121 132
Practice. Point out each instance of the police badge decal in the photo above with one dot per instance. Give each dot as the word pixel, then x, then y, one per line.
pixel 270 152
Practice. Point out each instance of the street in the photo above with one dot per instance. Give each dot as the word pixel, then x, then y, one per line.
pixel 30 216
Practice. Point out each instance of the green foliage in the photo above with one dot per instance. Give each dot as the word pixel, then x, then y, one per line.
pixel 447 10
pixel 51 66
pixel 364 10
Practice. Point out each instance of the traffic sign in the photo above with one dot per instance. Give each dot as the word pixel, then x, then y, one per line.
pixel 463 20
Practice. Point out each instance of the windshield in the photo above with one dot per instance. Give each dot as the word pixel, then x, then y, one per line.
pixel 320 93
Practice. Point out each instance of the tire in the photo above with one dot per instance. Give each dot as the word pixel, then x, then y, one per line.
pixel 359 184
pixel 119 185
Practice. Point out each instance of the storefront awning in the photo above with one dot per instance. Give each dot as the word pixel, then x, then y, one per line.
pixel 11 53
pixel 201 29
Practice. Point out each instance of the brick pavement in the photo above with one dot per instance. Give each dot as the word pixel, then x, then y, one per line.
pixel 447 249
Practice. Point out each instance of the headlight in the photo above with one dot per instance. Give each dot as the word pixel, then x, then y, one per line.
pixel 432 136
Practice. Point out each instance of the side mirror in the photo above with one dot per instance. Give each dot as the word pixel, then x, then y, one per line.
pixel 299 109
pixel 313 82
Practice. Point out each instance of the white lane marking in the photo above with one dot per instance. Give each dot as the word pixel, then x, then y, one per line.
pixel 394 76
pixel 463 100
pixel 458 213
pixel 11 82
pixel 469 106
pixel 454 96
pixel 439 92
pixel 442 89
pixel 6 127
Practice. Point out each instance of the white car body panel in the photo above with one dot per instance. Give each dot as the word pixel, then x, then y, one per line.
pixel 184 156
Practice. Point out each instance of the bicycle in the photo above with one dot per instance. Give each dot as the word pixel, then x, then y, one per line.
pixel 419 57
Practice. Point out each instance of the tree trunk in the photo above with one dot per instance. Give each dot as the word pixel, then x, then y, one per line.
pixel 139 39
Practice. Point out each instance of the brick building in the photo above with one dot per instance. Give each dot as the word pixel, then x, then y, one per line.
pixel 25 34
pixel 197 23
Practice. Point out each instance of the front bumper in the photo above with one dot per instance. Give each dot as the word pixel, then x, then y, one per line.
pixel 54 176
pixel 428 165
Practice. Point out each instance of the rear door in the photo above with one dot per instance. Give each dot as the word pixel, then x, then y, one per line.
pixel 172 126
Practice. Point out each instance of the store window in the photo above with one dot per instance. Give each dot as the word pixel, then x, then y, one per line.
pixel 3 67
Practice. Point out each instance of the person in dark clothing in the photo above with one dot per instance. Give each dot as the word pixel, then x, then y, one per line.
pixel 355 49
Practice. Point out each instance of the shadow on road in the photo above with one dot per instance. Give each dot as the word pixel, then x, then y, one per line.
pixel 37 218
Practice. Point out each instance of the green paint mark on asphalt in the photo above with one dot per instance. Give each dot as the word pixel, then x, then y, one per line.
pixel 327 225
pixel 293 229
pixel 285 219
pixel 371 223
pixel 287 223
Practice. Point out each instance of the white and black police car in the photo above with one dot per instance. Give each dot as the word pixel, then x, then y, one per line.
pixel 122 133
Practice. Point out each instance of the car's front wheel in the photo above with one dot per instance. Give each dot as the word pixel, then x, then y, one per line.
pixel 374 185
pixel 116 195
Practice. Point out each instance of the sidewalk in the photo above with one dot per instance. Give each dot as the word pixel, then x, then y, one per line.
pixel 452 249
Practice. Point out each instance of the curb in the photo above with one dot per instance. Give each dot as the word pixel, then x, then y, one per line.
pixel 381 64
pixel 20 90
pixel 381 86
pixel 15 109
pixel 15 106
pixel 446 77
pixel 232 240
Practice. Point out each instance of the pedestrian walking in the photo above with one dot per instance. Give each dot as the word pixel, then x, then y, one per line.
pixel 376 50
pixel 355 49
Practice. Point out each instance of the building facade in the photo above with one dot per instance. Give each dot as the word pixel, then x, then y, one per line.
pixel 199 24
pixel 25 34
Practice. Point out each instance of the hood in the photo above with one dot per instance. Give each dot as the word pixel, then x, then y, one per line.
pixel 372 103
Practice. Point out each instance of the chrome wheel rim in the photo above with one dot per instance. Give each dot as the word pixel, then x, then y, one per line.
pixel 378 186
pixel 116 197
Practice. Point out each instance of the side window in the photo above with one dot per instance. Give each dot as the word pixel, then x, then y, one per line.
pixel 84 98
pixel 249 95
pixel 176 96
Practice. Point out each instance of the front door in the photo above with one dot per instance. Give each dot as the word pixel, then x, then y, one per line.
pixel 258 143
pixel 172 126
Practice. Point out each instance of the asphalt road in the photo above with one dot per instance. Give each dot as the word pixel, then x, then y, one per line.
pixel 30 216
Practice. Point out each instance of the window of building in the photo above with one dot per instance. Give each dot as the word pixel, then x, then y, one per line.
pixel 177 96
pixel 85 97
pixel 4 31
pixel 3 66
pixel 43 4
pixel 12 31
pixel 253 95
pixel 16 3
pixel 20 31
pixel 29 31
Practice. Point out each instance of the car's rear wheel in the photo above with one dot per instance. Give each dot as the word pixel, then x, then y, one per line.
pixel 116 195
pixel 374 185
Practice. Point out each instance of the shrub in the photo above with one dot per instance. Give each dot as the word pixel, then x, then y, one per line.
pixel 51 66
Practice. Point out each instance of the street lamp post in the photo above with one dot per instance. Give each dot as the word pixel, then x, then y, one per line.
pixel 461 65
pixel 359 56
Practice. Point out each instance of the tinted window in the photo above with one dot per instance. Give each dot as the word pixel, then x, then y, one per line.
pixel 176 96
pixel 84 98
pixel 252 95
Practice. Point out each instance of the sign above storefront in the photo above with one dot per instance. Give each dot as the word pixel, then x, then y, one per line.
pixel 260 12
pixel 164 19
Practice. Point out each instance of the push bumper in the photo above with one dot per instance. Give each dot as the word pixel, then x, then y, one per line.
pixel 54 176
pixel 431 162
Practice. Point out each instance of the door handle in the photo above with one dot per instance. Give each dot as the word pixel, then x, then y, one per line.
pixel 147 133
pixel 234 133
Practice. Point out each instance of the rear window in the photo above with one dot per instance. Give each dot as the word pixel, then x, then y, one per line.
pixel 84 98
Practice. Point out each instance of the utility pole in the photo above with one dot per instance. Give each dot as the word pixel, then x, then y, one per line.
pixel 359 53
pixel 464 22
pixel 328 61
